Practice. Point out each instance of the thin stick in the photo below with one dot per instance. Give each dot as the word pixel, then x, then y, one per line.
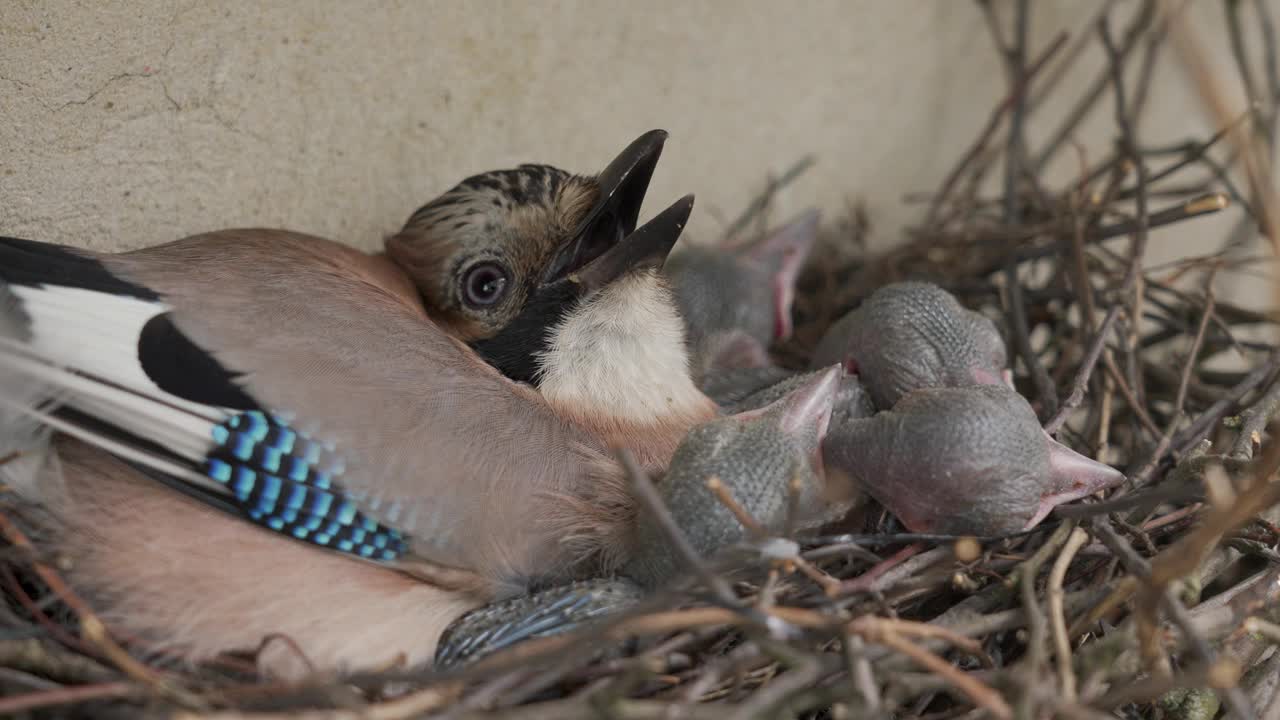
pixel 1155 40
pixel 980 694
pixel 1135 405
pixel 862 674
pixel 645 491
pixel 1064 131
pixel 1196 62
pixel 725 496
pixel 1143 476
pixel 1068 61
pixel 938 632
pixel 1180 399
pixel 1081 381
pixel 1194 432
pixel 762 201
pixel 1253 421
pixel 17 704
pixel 1057 617
pixel 830 585
pixel 1271 62
pixel 1157 579
pixel 989 131
pixel 1194 153
pixel 1021 333
pixel 1015 146
pixel 1196 207
pixel 1026 577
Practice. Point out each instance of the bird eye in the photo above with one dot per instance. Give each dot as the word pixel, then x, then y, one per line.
pixel 484 284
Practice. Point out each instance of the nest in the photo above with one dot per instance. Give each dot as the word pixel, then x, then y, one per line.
pixel 1161 599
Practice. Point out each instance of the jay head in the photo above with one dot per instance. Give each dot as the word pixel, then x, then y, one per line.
pixel 546 276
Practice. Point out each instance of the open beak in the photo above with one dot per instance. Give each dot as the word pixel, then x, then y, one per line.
pixel 622 186
pixel 645 248
pixel 515 348
pixel 607 247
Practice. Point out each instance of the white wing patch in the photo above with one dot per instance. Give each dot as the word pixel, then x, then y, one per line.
pixel 97 333
pixel 171 427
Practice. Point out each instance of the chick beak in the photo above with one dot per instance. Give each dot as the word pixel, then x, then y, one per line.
pixel 1074 476
pixel 622 186
pixel 784 251
pixel 805 413
pixel 804 416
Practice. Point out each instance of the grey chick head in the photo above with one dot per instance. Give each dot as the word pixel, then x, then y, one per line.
pixel 965 461
pixel 757 455
pixel 736 301
pixel 913 335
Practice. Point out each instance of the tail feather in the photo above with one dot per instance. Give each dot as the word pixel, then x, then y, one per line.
pixel 175 428
pixel 24 440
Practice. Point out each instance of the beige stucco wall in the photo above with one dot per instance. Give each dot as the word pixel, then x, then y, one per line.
pixel 131 123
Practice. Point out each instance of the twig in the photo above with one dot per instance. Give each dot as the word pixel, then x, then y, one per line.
pixel 830 586
pixel 1180 398
pixel 1156 35
pixel 653 504
pixel 1271 63
pixel 871 630
pixel 1057 617
pixel 1016 146
pixel 993 122
pixel 1194 432
pixel 1194 152
pixel 802 671
pixel 1158 577
pixel 1081 381
pixel 937 632
pixel 1269 630
pixel 1036 634
pixel 17 704
pixel 1068 60
pixel 1021 332
pixel 725 496
pixel 1137 249
pixel 1253 421
pixel 1059 137
pixel 1143 475
pixel 762 201
pixel 1154 686
pixel 862 674
pixel 1257 168
pixel 1196 207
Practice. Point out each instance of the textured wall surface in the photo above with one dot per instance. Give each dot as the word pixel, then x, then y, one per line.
pixel 131 123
